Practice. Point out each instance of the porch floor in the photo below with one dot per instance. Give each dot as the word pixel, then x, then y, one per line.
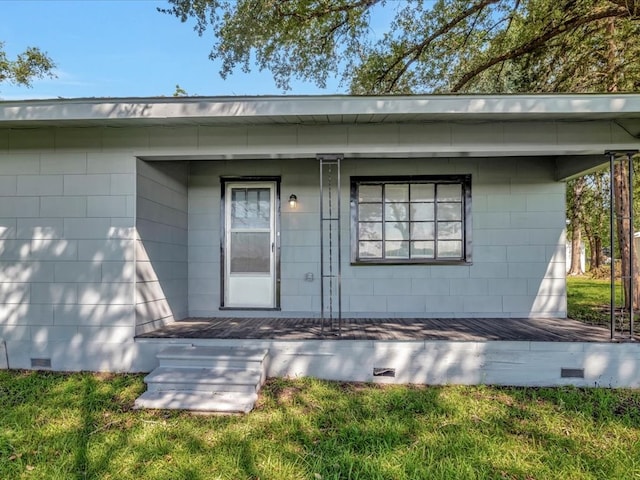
pixel 456 329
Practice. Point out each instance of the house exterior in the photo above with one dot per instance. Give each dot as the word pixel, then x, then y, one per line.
pixel 118 216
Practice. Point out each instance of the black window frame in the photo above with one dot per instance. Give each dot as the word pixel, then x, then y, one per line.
pixel 464 180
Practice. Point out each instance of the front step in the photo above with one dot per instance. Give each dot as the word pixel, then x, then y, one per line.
pixel 215 379
pixel 192 356
pixel 224 402
pixel 204 379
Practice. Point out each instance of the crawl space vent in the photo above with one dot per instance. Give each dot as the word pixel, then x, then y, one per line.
pixel 40 363
pixel 384 372
pixel 572 372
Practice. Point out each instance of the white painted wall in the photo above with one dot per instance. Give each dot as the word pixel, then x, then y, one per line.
pixel 68 210
pixel 518 243
pixel 441 362
pixel 66 251
pixel 161 247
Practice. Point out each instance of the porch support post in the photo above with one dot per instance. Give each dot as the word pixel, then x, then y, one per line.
pixel 628 157
pixel 631 244
pixel 612 310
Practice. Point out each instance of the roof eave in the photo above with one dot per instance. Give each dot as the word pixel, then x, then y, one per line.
pixel 316 109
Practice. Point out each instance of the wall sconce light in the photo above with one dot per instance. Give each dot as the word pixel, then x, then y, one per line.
pixel 293 201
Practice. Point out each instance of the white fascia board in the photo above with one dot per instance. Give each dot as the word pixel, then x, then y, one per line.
pixel 291 108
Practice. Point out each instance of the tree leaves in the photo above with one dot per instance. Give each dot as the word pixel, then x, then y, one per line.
pixel 30 64
pixel 444 46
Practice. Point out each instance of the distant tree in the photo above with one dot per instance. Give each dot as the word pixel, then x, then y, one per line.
pixel 595 218
pixel 30 64
pixel 575 214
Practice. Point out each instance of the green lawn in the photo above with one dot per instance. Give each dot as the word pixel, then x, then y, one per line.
pixel 588 299
pixel 73 426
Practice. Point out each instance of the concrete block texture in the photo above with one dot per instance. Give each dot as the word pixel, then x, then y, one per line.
pixel 63 163
pixel 68 216
pixel 94 184
pixel 507 246
pixel 162 247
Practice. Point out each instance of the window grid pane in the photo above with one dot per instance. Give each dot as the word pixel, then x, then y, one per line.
pixel 419 220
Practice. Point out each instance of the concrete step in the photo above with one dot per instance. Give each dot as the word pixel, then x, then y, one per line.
pixel 225 402
pixel 193 356
pixel 201 378
pixel 204 379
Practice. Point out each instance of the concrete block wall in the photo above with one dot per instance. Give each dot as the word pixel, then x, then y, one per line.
pixel 161 247
pixel 68 211
pixel 518 242
pixel 66 253
pixel 518 246
pixel 299 240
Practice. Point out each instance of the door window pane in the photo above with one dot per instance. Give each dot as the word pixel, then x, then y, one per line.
pixel 250 252
pixel 250 208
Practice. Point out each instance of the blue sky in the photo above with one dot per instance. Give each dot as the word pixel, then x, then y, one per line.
pixel 121 48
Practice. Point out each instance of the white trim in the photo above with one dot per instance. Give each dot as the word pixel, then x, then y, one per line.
pixel 271 276
pixel 319 109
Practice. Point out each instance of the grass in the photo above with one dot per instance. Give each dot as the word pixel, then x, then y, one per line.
pixel 588 299
pixel 77 426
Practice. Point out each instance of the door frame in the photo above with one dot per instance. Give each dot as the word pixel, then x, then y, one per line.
pixel 224 181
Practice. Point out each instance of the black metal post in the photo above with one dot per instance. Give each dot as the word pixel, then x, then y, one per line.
pixel 321 250
pixel 612 320
pixel 632 257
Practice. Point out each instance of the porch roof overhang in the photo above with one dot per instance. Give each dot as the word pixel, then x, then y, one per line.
pixel 334 109
pixel 622 110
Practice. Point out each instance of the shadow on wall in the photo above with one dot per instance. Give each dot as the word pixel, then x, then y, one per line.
pixel 442 362
pixel 66 292
pixel 161 243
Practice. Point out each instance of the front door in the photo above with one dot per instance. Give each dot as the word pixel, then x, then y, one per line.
pixel 250 245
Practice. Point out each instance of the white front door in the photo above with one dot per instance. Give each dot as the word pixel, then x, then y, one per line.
pixel 250 245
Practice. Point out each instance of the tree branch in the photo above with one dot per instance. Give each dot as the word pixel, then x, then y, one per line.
pixel 538 41
pixel 414 53
pixel 366 4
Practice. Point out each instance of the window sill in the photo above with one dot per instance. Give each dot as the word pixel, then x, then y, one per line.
pixel 252 309
pixel 357 263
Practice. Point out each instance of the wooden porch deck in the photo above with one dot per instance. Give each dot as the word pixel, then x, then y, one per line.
pixel 451 329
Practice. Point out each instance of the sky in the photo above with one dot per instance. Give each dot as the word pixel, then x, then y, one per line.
pixel 122 48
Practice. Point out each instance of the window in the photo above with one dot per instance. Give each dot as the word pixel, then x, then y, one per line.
pixel 422 219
